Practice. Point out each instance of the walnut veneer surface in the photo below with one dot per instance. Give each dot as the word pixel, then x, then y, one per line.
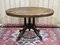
pixel 29 12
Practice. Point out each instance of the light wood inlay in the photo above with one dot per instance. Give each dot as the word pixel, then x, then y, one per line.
pixel 29 12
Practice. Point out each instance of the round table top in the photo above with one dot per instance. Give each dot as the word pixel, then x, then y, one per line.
pixel 29 12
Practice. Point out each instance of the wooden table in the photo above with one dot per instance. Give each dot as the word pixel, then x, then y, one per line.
pixel 29 12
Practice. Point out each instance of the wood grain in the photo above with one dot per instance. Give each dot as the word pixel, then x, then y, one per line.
pixel 29 12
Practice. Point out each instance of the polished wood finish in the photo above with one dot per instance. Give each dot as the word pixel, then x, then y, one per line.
pixel 29 12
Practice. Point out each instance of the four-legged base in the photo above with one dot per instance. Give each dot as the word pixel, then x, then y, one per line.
pixel 29 26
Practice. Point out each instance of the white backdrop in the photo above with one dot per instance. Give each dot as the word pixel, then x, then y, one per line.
pixel 53 4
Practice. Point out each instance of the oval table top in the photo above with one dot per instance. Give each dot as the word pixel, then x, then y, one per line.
pixel 29 12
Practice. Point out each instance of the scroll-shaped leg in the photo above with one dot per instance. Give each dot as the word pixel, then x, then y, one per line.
pixel 21 34
pixel 35 30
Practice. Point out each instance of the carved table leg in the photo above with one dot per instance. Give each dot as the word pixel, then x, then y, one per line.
pixel 21 34
pixel 29 26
